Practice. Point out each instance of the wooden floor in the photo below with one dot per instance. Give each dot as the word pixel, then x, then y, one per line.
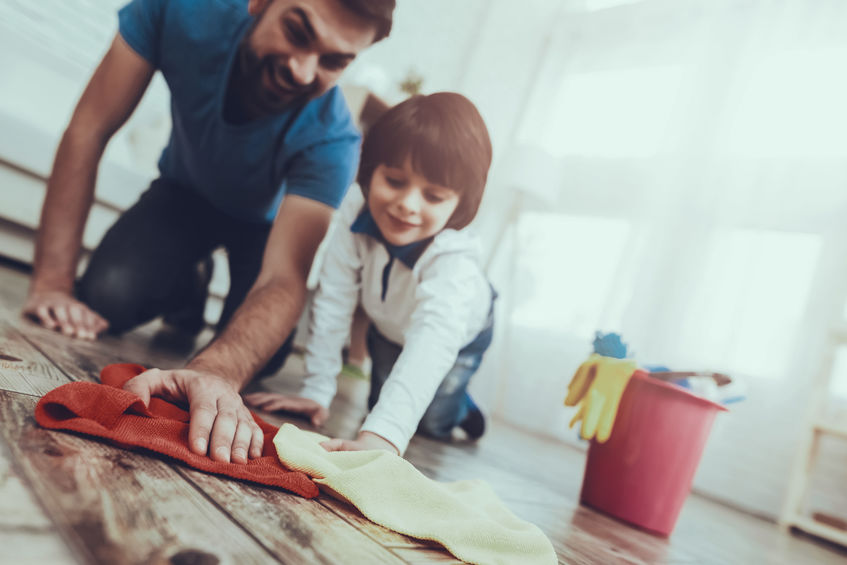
pixel 67 499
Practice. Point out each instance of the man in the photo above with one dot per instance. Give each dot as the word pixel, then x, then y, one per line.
pixel 262 150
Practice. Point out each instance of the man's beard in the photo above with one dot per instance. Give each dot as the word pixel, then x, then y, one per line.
pixel 253 71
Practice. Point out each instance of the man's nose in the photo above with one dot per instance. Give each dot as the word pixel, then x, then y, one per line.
pixel 304 68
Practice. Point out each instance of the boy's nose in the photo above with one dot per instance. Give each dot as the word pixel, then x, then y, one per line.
pixel 410 202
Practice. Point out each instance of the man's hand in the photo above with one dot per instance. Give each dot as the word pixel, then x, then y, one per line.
pixel 271 401
pixel 364 442
pixel 219 419
pixel 57 310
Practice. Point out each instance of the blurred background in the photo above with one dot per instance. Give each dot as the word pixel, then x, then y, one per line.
pixel 673 170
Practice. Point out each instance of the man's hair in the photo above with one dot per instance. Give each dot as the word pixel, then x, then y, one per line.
pixel 378 12
pixel 446 139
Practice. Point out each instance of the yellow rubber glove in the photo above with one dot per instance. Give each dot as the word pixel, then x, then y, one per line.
pixel 597 386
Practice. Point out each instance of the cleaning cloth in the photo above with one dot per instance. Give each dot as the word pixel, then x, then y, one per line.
pixel 107 411
pixel 466 517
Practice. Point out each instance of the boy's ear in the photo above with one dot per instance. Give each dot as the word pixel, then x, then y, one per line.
pixel 255 7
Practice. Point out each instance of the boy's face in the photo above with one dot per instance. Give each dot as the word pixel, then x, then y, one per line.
pixel 407 207
pixel 297 50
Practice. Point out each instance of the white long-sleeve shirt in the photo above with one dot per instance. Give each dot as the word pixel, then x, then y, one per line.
pixel 432 310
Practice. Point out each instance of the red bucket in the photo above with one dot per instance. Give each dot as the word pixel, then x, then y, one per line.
pixel 643 473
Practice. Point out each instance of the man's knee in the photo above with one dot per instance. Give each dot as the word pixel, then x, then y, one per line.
pixel 113 292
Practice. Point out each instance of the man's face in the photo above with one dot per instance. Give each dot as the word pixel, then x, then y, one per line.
pixel 297 49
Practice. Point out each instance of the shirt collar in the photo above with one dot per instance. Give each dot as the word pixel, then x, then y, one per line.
pixel 408 254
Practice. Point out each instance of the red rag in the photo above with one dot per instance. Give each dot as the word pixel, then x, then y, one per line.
pixel 107 411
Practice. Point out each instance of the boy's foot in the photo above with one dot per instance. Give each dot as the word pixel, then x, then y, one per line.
pixel 474 422
pixel 354 371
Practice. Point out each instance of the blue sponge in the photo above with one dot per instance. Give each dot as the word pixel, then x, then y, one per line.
pixel 610 345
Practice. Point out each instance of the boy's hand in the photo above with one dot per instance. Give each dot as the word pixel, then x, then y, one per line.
pixel 364 442
pixel 272 401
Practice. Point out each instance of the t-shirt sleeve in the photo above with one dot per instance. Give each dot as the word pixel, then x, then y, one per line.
pixel 325 171
pixel 140 24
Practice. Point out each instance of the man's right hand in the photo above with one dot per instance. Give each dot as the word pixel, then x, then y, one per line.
pixel 272 401
pixel 219 425
pixel 57 310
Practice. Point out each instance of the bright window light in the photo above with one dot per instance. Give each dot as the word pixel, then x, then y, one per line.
pixel 565 270
pixel 622 113
pixel 594 5
pixel 838 378
pixel 746 307
pixel 792 105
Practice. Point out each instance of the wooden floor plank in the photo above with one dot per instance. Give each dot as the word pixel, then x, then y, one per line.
pixel 23 368
pixel 296 530
pixel 382 535
pixel 27 535
pixel 537 478
pixel 423 556
pixel 118 506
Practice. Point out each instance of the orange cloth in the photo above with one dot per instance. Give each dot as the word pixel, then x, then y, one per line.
pixel 107 411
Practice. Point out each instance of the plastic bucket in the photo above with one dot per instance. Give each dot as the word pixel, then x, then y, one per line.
pixel 643 473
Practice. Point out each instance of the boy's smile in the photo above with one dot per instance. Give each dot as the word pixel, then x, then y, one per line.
pixel 407 207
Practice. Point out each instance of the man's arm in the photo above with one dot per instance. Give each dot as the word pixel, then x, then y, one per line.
pixel 110 97
pixel 271 310
pixel 210 383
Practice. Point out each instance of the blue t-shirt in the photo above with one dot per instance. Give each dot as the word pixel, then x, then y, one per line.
pixel 245 169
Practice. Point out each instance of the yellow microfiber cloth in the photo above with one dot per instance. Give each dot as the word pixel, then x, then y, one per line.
pixel 466 517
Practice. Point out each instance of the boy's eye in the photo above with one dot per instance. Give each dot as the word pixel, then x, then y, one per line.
pixel 395 181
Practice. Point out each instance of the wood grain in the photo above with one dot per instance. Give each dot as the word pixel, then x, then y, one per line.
pixel 294 529
pixel 117 506
pixel 27 535
pixel 380 534
pixel 23 368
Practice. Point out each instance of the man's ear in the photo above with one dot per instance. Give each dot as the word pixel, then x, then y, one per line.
pixel 255 7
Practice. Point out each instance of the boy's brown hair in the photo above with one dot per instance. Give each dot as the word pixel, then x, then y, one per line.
pixel 446 139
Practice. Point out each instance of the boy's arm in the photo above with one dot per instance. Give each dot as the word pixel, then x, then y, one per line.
pixel 446 298
pixel 110 97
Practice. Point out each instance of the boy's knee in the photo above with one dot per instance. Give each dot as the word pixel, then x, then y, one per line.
pixel 437 422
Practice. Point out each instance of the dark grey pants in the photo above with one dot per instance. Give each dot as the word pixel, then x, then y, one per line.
pixel 146 264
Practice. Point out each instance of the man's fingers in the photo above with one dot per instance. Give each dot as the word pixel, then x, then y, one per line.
pixel 63 316
pixel 80 321
pixel 241 441
pixel 153 382
pixel 101 324
pixel 256 442
pixel 45 317
pixel 202 419
pixel 90 322
pixel 223 432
